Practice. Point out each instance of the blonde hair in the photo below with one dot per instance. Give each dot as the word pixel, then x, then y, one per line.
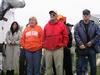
pixel 33 18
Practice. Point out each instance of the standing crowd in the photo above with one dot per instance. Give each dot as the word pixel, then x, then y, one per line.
pixel 24 49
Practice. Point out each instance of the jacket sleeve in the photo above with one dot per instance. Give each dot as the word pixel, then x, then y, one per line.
pixel 69 36
pixel 8 40
pixel 77 37
pixel 65 36
pixel 41 35
pixel 22 39
pixel 97 34
pixel 17 41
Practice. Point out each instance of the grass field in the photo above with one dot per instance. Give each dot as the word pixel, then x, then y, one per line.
pixel 98 70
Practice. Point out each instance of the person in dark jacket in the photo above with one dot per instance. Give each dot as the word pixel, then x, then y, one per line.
pixel 22 59
pixel 67 53
pixel 86 33
pixel 22 62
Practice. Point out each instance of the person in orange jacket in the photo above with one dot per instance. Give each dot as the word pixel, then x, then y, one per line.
pixel 31 41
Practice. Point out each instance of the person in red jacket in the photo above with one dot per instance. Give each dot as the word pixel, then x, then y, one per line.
pixel 31 41
pixel 55 38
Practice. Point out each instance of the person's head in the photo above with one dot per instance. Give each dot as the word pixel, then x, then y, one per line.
pixel 14 27
pixel 32 21
pixel 62 18
pixel 53 16
pixel 86 15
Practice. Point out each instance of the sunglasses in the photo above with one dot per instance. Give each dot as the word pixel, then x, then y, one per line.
pixel 52 14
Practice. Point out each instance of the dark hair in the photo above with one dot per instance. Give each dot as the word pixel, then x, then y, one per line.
pixel 17 28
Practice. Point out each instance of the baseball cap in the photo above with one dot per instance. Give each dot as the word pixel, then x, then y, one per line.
pixel 86 12
pixel 53 12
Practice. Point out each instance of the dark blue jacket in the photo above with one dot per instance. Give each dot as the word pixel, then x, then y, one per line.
pixel 80 33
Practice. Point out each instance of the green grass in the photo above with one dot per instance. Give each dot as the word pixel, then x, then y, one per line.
pixel 74 64
pixel 98 70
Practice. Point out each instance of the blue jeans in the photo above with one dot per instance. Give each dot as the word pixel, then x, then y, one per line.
pixel 33 62
pixel 82 62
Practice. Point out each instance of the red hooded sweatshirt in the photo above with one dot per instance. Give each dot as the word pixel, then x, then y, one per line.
pixel 55 36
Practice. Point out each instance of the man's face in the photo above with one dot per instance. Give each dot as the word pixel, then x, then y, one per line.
pixel 86 17
pixel 53 16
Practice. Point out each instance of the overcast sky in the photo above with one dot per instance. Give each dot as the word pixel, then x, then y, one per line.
pixel 72 9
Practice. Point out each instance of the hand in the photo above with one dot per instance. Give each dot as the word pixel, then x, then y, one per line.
pixel 12 43
pixel 82 47
pixel 89 44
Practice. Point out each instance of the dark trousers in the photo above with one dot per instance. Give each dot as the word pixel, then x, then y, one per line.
pixel 1 47
pixel 2 51
pixel 67 62
pixel 82 59
pixel 22 63
pixel 2 73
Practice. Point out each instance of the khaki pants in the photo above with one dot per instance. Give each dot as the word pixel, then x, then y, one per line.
pixel 57 56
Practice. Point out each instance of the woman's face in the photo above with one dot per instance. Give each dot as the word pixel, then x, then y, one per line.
pixel 32 21
pixel 14 26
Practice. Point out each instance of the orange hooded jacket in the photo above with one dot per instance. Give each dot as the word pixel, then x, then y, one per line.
pixel 31 38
